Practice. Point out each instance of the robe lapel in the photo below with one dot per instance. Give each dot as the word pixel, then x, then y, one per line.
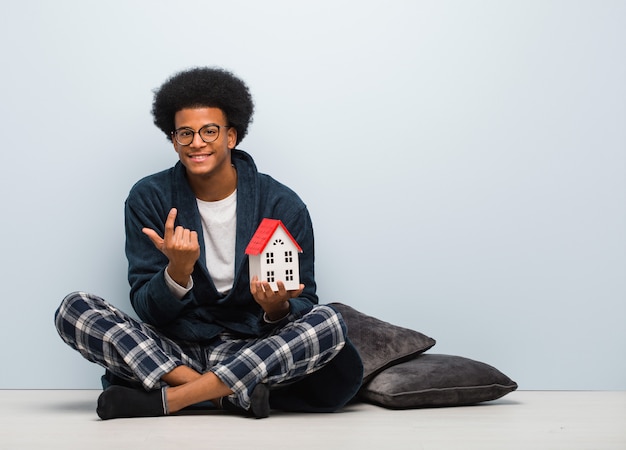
pixel 247 206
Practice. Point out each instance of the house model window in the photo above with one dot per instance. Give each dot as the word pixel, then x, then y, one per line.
pixel 273 255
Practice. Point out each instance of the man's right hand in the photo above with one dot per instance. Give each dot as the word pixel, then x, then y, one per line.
pixel 181 247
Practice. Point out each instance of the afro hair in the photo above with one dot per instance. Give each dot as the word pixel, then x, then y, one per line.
pixel 204 87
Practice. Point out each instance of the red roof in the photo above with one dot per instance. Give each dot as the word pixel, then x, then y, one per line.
pixel 264 233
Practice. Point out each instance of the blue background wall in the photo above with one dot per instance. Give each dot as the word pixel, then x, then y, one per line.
pixel 464 163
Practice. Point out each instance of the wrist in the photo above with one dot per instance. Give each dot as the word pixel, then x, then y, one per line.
pixel 278 314
pixel 180 277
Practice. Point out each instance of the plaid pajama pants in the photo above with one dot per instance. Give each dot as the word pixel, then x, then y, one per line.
pixel 136 351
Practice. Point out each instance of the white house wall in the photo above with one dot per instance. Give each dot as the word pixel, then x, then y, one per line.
pixel 255 266
pixel 280 266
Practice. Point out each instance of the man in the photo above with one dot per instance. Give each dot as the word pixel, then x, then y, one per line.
pixel 208 332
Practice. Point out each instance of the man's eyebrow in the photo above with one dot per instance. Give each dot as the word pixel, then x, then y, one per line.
pixel 205 125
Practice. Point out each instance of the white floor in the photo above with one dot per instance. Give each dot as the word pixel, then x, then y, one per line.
pixel 521 420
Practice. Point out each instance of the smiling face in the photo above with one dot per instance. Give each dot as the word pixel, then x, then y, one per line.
pixel 208 165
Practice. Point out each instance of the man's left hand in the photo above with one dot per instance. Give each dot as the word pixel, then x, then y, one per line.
pixel 274 303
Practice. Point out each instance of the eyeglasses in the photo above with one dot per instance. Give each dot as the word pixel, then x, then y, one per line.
pixel 208 133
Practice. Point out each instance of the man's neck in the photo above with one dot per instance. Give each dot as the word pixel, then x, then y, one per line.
pixel 214 187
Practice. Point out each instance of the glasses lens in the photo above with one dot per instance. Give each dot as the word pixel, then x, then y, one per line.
pixel 209 133
pixel 184 136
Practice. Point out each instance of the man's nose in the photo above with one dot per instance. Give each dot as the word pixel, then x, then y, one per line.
pixel 197 141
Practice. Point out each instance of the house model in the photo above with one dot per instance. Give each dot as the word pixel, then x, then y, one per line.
pixel 273 255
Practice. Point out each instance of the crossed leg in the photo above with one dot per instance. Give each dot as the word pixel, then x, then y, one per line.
pixel 186 387
pixel 134 351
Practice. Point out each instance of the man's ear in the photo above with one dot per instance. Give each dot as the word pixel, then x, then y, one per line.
pixel 232 137
pixel 175 145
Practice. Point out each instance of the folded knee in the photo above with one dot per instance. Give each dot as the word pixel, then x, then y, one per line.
pixel 72 307
pixel 333 320
pixel 70 303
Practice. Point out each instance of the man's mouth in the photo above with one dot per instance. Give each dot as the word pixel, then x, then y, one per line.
pixel 200 157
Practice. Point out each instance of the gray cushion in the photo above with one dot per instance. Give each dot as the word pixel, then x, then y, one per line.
pixel 381 344
pixel 436 380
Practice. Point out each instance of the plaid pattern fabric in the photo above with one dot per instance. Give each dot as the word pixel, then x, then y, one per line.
pixel 138 352
pixel 128 348
pixel 293 351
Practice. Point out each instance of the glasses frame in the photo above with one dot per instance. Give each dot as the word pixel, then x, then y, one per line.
pixel 219 129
